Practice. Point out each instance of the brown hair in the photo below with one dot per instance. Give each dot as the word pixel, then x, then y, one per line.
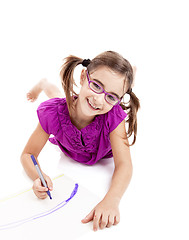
pixel 118 64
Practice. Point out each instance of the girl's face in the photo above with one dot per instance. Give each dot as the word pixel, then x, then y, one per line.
pixel 92 103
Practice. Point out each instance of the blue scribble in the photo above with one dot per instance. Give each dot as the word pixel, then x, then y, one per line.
pixel 40 215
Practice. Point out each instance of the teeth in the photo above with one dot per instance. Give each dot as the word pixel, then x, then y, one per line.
pixel 93 105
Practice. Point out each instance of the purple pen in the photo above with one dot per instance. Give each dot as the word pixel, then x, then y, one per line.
pixel 40 175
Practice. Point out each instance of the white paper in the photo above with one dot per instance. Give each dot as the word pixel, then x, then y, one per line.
pixel 24 216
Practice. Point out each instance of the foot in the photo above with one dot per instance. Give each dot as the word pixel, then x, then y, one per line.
pixel 33 94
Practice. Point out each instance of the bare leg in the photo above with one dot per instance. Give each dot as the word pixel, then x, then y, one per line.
pixel 43 85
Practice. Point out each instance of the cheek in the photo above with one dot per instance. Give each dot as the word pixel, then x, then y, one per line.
pixel 84 90
pixel 107 107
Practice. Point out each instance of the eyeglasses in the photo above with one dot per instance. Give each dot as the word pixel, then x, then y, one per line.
pixel 95 87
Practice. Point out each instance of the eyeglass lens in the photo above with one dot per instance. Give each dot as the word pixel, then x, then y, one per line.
pixel 98 89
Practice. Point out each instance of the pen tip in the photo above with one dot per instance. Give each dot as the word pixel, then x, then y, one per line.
pixel 49 194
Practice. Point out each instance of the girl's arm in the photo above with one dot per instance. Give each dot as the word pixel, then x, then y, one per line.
pixel 34 146
pixel 106 213
pixel 122 159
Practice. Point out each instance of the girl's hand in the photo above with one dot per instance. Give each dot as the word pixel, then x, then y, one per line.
pixel 105 214
pixel 39 190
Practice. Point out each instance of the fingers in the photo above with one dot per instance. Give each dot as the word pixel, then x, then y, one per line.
pixel 104 221
pixel 38 186
pixel 101 220
pixel 89 217
pixel 105 214
pixel 41 191
pixel 49 183
pixel 108 221
pixel 92 216
pixel 116 220
pixel 96 221
pixel 111 221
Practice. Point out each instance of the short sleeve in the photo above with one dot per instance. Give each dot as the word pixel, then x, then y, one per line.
pixel 115 116
pixel 48 115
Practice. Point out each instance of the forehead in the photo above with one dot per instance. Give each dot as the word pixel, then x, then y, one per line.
pixel 112 81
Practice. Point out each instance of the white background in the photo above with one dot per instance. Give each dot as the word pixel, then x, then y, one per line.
pixel 153 35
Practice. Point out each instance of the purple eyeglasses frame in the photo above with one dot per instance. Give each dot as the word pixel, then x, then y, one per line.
pixel 103 91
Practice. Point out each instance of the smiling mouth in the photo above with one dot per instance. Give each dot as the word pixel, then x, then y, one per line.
pixel 92 106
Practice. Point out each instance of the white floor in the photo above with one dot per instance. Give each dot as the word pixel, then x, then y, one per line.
pixel 155 206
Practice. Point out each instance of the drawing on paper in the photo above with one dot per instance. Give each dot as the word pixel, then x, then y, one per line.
pixel 41 215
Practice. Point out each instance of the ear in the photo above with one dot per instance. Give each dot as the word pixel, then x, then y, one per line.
pixel 134 75
pixel 82 76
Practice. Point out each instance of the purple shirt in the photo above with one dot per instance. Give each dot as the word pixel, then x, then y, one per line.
pixel 88 145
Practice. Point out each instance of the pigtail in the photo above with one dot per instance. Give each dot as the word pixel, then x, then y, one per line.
pixel 113 61
pixel 67 79
pixel 131 110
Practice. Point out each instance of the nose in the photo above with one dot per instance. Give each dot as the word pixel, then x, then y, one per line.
pixel 99 98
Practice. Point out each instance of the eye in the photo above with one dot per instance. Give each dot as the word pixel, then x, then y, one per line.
pixel 95 86
pixel 111 98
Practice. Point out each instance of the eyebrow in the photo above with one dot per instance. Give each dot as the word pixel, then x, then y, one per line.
pixel 96 80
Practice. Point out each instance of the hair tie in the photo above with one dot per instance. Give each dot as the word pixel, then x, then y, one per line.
pixel 86 62
pixel 129 91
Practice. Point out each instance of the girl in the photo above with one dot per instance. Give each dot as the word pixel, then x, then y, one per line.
pixel 88 126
